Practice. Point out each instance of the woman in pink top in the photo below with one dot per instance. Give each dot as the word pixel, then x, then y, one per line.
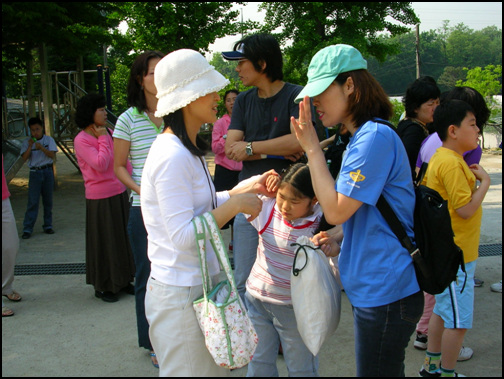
pixel 109 261
pixel 226 170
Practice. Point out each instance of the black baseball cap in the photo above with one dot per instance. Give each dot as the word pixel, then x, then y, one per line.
pixel 235 54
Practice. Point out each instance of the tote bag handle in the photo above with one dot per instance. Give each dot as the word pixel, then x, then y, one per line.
pixel 205 227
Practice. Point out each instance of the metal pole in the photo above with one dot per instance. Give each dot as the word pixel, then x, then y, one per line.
pixel 107 88
pixel 417 51
pixel 99 78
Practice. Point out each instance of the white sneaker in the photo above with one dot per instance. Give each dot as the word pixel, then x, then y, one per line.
pixel 465 354
pixel 420 341
pixel 496 287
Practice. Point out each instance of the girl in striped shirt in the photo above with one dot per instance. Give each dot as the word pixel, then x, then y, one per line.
pixel 293 213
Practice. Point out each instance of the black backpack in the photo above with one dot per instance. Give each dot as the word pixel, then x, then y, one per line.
pixel 436 257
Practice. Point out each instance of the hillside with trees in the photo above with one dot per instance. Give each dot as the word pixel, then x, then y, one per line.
pixel 82 35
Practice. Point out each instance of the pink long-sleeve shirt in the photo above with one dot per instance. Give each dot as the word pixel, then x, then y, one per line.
pixel 220 129
pixel 96 161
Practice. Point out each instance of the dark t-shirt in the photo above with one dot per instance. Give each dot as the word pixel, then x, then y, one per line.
pixel 412 136
pixel 264 119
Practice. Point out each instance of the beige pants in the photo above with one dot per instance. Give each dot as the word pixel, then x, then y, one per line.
pixel 10 247
pixel 174 332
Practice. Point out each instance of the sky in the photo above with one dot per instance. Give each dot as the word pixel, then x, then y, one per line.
pixel 475 15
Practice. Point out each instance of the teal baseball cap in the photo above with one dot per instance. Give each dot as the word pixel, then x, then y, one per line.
pixel 327 64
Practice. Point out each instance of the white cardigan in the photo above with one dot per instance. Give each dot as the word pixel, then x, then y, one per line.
pixel 176 187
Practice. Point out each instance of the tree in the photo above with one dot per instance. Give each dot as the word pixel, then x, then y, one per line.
pixel 486 81
pixel 450 76
pixel 308 27
pixel 170 26
pixel 444 53
pixel 72 29
pixel 67 31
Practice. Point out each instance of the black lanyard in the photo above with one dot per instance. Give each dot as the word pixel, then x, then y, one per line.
pixel 214 196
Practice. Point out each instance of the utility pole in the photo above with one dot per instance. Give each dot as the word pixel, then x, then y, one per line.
pixel 417 51
pixel 241 25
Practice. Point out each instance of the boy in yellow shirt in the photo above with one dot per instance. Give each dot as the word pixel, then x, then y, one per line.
pixel 448 174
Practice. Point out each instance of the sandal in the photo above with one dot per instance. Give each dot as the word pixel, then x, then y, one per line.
pixel 153 359
pixel 14 296
pixel 6 312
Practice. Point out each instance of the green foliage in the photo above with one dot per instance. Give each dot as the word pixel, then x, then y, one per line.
pixel 486 81
pixel 443 55
pixel 82 29
pixel 71 28
pixel 398 108
pixel 308 27
pixel 170 26
pixel 118 84
pixel 450 76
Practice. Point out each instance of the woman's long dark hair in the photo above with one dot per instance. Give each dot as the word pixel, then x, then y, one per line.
pixel 175 121
pixel 140 68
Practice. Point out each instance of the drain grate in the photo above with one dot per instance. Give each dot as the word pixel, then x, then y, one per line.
pixel 490 250
pixel 51 269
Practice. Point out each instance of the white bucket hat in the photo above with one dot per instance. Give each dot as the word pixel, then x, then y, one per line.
pixel 182 77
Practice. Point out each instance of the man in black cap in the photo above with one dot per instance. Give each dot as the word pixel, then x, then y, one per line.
pixel 260 133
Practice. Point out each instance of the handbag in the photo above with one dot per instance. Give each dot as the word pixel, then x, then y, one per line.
pixel 229 334
pixel 315 293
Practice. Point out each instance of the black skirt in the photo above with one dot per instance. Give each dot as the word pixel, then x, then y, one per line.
pixel 109 260
pixel 225 179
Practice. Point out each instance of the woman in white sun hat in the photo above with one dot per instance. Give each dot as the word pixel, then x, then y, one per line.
pixel 176 187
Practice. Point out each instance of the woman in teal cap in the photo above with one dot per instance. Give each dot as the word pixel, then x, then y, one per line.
pixel 376 271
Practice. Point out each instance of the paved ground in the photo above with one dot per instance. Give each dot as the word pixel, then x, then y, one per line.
pixel 61 329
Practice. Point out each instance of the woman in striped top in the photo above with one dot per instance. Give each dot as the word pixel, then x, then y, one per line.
pixel 135 131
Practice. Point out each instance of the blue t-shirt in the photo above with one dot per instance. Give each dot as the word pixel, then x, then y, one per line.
pixel 375 269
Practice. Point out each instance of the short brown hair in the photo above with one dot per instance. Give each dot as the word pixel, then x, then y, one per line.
pixel 368 99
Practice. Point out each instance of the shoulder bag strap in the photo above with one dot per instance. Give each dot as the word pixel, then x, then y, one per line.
pixel 199 229
pixel 218 245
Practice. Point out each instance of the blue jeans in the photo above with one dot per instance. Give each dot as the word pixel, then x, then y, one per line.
pixel 276 323
pixel 138 241
pixel 245 241
pixel 382 335
pixel 41 182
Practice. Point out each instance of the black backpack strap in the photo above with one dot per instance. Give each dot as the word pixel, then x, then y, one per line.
pixel 398 229
pixel 394 223
pixel 384 122
pixel 421 173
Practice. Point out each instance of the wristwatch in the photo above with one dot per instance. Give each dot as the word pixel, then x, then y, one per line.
pixel 248 149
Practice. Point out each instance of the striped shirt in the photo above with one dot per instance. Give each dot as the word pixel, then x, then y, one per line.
pixel 269 279
pixel 140 132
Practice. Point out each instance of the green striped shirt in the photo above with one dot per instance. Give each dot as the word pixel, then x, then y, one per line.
pixel 140 132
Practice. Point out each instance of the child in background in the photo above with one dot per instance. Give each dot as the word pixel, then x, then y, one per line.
pixel 429 147
pixel 293 213
pixel 448 174
pixel 40 151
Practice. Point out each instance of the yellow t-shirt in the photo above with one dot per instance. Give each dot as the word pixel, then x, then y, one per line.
pixel 449 175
